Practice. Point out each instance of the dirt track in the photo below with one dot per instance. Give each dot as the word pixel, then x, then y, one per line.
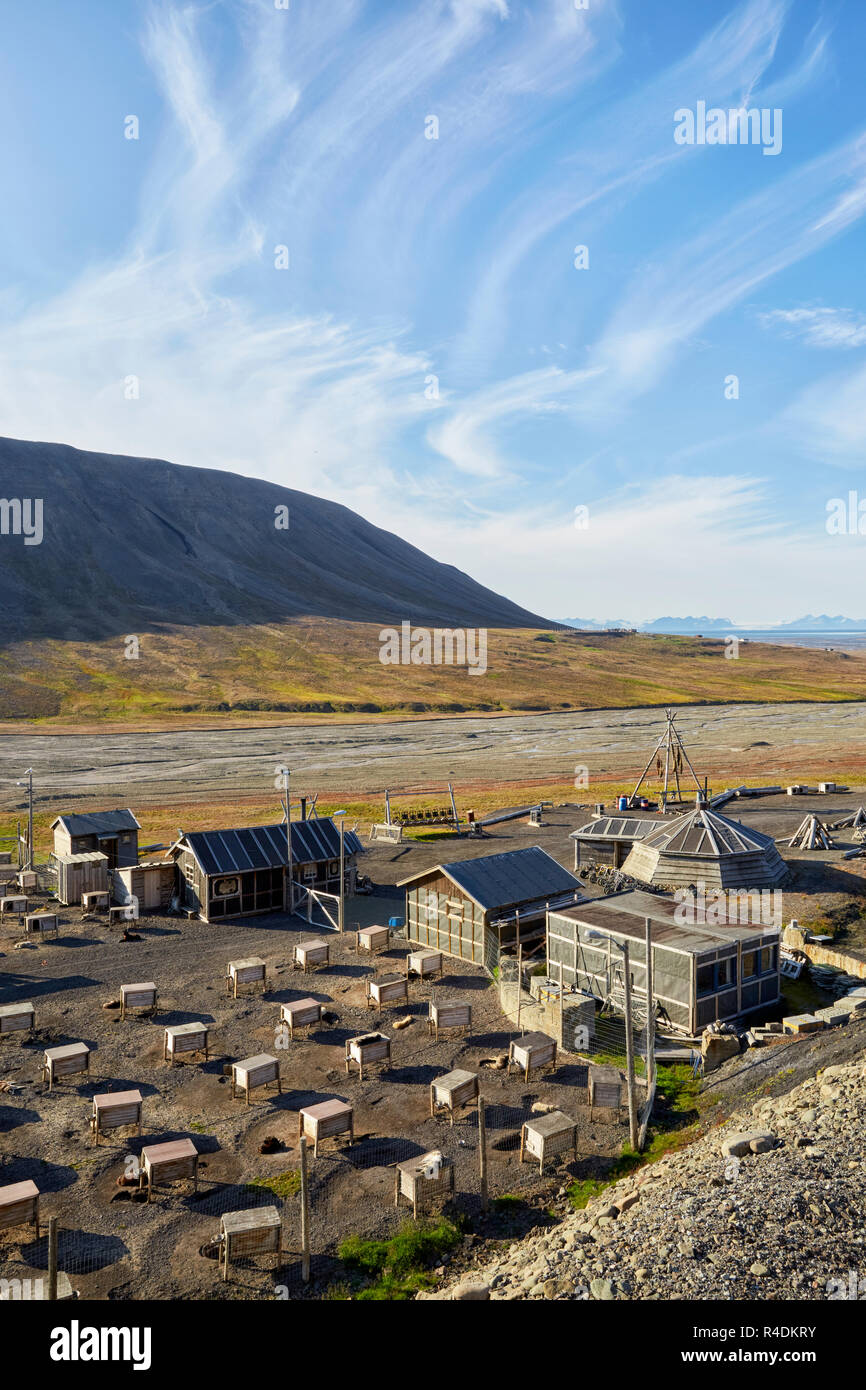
pixel 726 742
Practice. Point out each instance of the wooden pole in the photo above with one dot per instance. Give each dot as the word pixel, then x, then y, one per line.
pixel 305 1213
pixel 650 1008
pixel 482 1152
pixel 519 971
pixel 291 880
pixel 52 1259
pixel 629 1052
pixel 342 869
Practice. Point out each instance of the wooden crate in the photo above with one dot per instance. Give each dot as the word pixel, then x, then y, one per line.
pixel 531 1052
pixel 300 1013
pixel 27 880
pixel 252 1072
pixel 17 1017
pixel 245 972
pixel 245 1233
pixel 605 1088
pixel 453 1090
pixel 138 996
pixel 13 902
pixel 386 989
pixel 545 1136
pixel 41 922
pixel 65 1061
pixel 448 1013
pixel 310 954
pixel 94 899
pixel 184 1037
pixel 411 1182
pixel 115 1110
pixel 373 939
pixel 326 1120
pixel 169 1162
pixel 367 1048
pixel 424 964
pixel 19 1205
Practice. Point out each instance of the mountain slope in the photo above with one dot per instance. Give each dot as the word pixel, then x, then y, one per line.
pixel 131 545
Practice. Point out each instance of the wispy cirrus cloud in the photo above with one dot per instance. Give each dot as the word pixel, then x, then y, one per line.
pixel 821 327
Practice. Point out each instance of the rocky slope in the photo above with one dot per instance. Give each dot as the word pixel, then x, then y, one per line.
pixel 771 1205
pixel 132 545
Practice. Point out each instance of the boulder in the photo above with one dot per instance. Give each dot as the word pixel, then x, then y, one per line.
pixel 716 1048
pixel 471 1293
pixel 741 1141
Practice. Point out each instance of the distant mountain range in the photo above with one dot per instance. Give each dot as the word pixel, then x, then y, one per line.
pixel 130 544
pixel 811 623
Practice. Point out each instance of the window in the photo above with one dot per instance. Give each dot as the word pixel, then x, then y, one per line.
pixel 768 959
pixel 712 978
pixel 705 979
pixel 334 866
pixel 225 887
pixel 309 871
pixel 189 873
pixel 750 964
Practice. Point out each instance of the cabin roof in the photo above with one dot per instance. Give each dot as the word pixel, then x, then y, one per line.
pixel 97 822
pixel 625 914
pixel 496 881
pixel 264 846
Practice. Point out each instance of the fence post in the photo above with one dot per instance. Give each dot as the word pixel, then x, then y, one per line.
pixel 519 974
pixel 651 1013
pixel 52 1259
pixel 629 1053
pixel 305 1214
pixel 482 1152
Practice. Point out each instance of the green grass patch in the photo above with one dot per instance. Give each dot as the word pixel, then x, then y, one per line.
pixel 396 1269
pixel 283 1185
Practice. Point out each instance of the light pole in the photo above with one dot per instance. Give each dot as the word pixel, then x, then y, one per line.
pixel 29 785
pixel 595 935
pixel 284 775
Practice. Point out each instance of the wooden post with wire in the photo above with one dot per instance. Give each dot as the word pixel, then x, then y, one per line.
pixel 52 1259
pixel 305 1213
pixel 482 1152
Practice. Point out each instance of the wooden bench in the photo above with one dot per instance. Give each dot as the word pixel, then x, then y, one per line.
pixel 253 1072
pixel 65 1061
pixel 245 972
pixel 453 1090
pixel 310 954
pixel 548 1135
pixel 372 939
pixel 184 1037
pixel 17 1017
pixel 448 1013
pixel 13 902
pixel 255 1232
pixel 140 996
pixel 300 1013
pixel 41 922
pixel 97 897
pixel 366 1048
pixel 423 1180
pixel 530 1053
pixel 169 1162
pixel 115 1110
pixel 386 989
pixel 19 1205
pixel 423 964
pixel 326 1120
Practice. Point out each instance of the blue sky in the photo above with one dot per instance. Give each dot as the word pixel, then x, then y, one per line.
pixel 412 258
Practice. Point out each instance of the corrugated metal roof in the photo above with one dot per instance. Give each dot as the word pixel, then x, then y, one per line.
pixel 496 881
pixel 91 856
pixel 624 914
pixel 705 832
pixel 616 828
pixel 264 846
pixel 97 822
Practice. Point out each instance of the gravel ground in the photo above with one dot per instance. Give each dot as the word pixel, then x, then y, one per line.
pixel 769 1206
pixel 113 1247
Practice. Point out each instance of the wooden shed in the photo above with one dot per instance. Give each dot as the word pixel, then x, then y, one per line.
pixel 81 873
pixel 236 873
pixel 701 972
pixel 112 833
pixel 153 883
pixel 473 908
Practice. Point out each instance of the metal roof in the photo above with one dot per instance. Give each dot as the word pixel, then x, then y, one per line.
pixel 90 856
pixel 264 846
pixel 97 822
pixel 496 881
pixel 616 828
pixel 704 832
pixel 625 914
